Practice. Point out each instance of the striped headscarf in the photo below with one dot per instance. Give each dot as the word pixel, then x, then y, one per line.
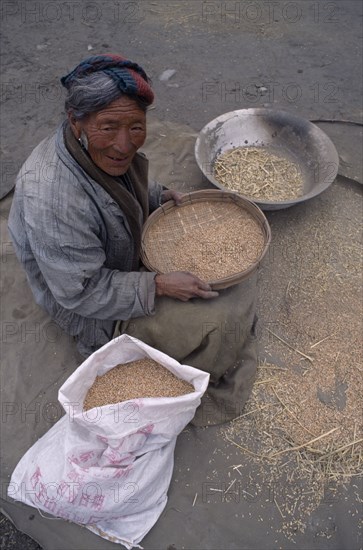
pixel 130 78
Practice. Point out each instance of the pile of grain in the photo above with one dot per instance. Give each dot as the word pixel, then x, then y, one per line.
pixel 137 379
pixel 258 173
pixel 302 427
pixel 210 241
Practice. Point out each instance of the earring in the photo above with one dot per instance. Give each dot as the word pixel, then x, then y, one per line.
pixel 83 141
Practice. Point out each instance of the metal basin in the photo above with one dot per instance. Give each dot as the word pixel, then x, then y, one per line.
pixel 288 135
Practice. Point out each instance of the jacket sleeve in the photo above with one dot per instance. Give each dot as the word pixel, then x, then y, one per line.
pixel 66 244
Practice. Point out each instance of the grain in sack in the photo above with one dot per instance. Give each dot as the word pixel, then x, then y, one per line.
pixel 108 468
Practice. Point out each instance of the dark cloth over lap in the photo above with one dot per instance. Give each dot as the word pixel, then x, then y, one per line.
pixel 214 335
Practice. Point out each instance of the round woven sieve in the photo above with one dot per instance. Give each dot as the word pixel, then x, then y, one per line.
pixel 206 211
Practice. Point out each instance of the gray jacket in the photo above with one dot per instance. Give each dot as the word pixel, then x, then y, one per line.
pixel 68 233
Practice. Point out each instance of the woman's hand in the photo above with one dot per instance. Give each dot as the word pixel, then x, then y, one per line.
pixel 183 286
pixel 171 194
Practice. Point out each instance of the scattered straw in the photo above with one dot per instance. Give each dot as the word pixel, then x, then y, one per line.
pixel 291 347
pixel 230 485
pixel 351 444
pixel 320 341
pixel 279 509
pixel 265 381
pixel 242 448
pixel 274 424
pixel 291 413
pixel 298 447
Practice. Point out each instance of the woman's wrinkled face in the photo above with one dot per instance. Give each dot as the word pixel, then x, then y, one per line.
pixel 114 134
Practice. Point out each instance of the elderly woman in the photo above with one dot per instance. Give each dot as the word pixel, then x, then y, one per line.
pixel 80 202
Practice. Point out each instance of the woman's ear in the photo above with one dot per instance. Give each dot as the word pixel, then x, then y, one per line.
pixel 75 125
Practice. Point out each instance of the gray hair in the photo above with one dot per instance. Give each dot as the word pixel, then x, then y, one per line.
pixel 91 93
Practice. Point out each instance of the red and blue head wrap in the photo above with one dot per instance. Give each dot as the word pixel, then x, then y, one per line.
pixel 130 78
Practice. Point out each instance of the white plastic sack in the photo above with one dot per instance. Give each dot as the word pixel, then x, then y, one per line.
pixel 109 468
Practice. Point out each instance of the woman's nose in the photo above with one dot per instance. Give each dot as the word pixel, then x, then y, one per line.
pixel 123 143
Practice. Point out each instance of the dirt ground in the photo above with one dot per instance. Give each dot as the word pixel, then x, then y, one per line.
pixel 303 56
